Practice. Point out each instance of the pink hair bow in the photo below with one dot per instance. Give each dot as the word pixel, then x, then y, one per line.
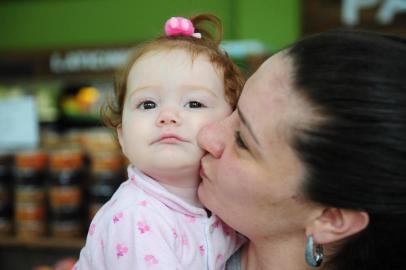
pixel 179 26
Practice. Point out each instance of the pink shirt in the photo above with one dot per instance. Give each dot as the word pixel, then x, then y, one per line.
pixel 144 226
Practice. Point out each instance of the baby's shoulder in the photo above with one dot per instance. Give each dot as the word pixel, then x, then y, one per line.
pixel 131 204
pixel 122 200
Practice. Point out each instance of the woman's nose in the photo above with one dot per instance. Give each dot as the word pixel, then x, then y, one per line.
pixel 211 139
pixel 168 116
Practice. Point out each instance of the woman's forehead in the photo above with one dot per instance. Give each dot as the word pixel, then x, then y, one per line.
pixel 270 85
pixel 269 100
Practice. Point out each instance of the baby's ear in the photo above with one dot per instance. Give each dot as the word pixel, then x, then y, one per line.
pixel 119 131
pixel 334 224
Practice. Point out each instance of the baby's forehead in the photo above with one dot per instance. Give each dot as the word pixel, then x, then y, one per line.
pixel 198 66
pixel 174 69
pixel 169 53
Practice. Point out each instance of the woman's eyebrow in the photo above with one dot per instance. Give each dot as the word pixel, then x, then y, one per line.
pixel 244 121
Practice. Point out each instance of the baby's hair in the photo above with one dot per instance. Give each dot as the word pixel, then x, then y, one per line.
pixel 208 44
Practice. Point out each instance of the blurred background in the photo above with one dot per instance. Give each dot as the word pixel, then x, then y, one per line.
pixel 58 164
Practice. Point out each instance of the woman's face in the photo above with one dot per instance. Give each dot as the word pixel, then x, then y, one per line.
pixel 251 174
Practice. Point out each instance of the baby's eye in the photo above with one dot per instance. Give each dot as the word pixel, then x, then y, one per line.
pixel 195 104
pixel 146 105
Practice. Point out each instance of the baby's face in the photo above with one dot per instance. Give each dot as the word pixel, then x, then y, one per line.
pixel 169 99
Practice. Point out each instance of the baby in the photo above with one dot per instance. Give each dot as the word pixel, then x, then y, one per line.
pixel 171 88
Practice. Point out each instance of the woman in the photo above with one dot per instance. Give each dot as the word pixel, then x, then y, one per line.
pixel 311 167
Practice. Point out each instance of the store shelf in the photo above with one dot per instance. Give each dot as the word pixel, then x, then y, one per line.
pixel 46 242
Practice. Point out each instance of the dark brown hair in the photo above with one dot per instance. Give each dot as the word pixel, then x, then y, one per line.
pixel 208 45
pixel 356 159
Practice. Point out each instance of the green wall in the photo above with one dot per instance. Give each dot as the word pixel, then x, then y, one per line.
pixel 275 22
pixel 50 24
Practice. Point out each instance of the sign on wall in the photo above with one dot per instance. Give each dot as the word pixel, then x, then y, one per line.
pixel 378 15
pixel 18 124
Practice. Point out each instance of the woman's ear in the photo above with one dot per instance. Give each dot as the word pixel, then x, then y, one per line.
pixel 334 224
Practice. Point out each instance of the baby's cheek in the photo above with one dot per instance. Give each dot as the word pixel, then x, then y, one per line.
pixel 212 118
pixel 201 152
pixel 223 111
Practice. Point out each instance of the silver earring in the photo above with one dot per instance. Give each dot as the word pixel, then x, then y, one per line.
pixel 313 257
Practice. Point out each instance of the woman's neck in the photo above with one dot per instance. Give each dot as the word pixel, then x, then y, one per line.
pixel 274 254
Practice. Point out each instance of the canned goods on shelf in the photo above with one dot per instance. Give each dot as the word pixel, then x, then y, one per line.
pixel 30 193
pixel 66 177
pixel 6 200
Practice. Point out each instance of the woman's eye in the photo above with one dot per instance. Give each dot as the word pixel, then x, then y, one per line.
pixel 146 105
pixel 238 140
pixel 195 104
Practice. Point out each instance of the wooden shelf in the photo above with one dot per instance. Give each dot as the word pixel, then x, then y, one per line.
pixel 44 242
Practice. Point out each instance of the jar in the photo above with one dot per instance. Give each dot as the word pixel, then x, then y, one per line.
pixel 30 199
pixel 6 180
pixel 65 192
pixel 106 175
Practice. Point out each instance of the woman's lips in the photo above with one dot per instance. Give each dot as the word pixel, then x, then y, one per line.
pixel 202 173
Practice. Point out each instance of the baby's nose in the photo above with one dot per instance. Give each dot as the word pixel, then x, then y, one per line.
pixel 168 116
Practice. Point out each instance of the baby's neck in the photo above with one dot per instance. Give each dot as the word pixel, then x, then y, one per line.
pixel 188 194
pixel 182 183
